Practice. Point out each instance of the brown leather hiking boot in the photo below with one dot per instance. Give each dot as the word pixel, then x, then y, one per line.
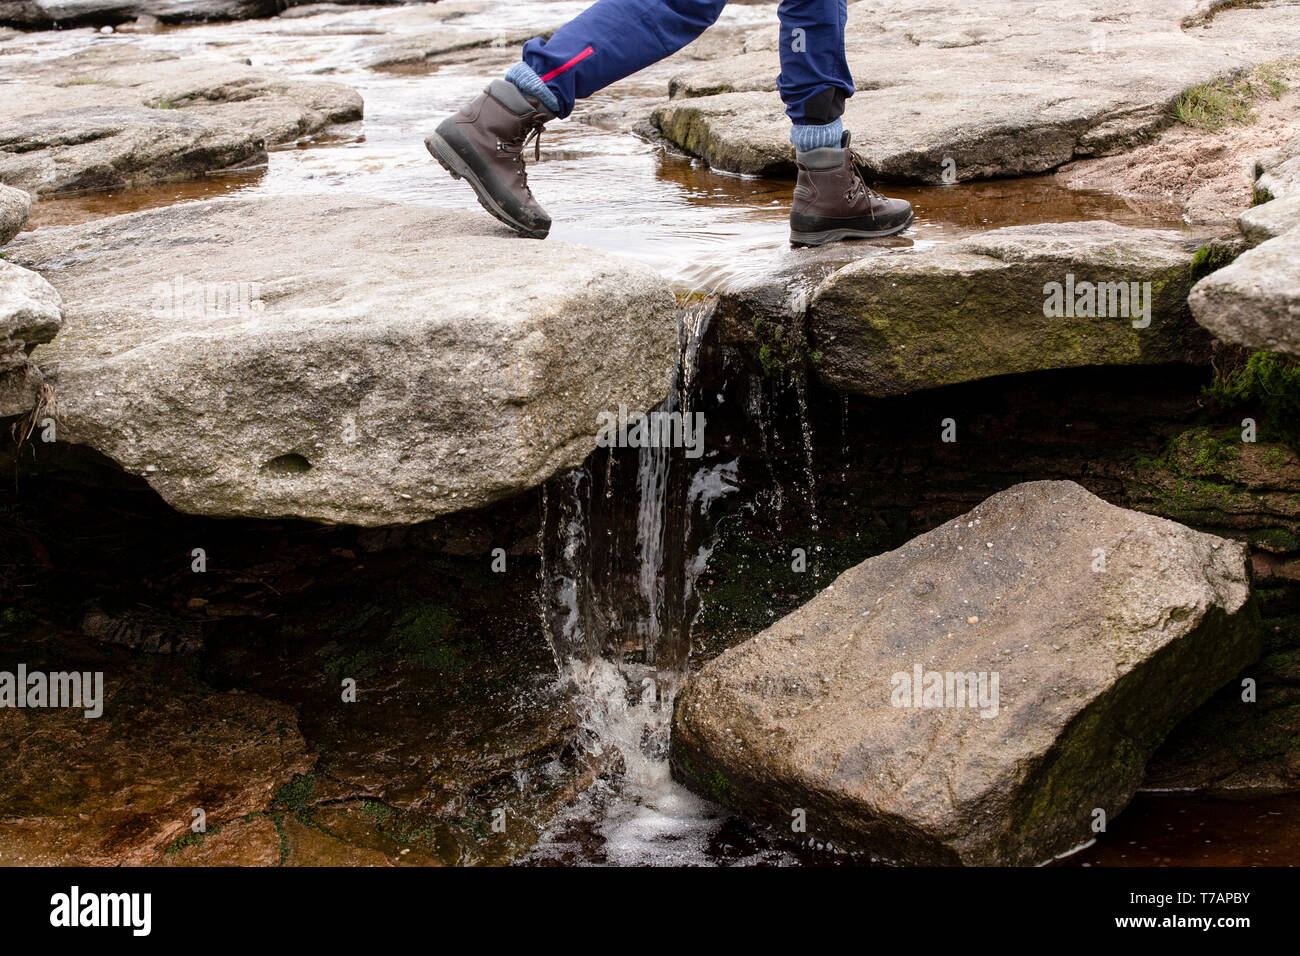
pixel 484 144
pixel 832 200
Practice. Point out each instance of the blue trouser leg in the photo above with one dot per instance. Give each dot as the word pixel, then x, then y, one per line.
pixel 613 39
pixel 815 77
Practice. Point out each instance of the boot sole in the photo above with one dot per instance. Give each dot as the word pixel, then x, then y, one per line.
pixel 451 161
pixel 838 235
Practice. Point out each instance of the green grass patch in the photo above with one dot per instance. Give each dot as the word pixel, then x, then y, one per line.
pixel 1229 101
pixel 1267 381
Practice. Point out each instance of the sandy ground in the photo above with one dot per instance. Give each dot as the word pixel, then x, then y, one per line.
pixel 1207 172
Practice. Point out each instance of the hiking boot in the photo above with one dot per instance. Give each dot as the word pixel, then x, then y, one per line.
pixel 832 200
pixel 484 144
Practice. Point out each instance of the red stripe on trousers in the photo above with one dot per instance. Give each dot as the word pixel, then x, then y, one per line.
pixel 568 66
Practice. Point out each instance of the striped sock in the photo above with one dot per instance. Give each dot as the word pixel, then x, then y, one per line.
pixel 817 137
pixel 525 78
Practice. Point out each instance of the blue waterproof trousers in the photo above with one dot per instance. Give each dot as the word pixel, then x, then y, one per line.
pixel 612 39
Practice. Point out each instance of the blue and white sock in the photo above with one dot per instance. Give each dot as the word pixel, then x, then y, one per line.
pixel 817 137
pixel 525 78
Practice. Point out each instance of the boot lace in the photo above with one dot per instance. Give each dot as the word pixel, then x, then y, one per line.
pixel 515 148
pixel 859 185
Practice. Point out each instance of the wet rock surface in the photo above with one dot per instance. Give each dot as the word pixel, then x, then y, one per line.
pixel 249 841
pixel 1235 748
pixel 393 364
pixel 976 308
pixel 432 635
pixel 121 788
pixel 994 90
pixel 116 115
pixel 456 713
pixel 1095 668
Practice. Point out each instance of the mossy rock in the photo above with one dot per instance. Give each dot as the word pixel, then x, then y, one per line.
pixel 986 306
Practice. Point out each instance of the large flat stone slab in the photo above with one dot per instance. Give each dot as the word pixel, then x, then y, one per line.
pixel 117 115
pixel 429 33
pixel 342 359
pixel 955 312
pixel 1093 669
pixel 998 89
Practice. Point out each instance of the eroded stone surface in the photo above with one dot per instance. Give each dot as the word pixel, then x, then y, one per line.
pixel 14 207
pixel 388 365
pixel 996 89
pixel 120 789
pixel 887 325
pixel 117 115
pixel 1094 668
pixel 30 313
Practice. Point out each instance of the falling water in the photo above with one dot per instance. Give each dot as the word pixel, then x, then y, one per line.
pixel 616 533
pixel 623 540
pixel 806 437
pixel 652 487
pixel 758 414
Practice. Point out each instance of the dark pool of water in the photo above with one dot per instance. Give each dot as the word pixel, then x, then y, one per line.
pixel 1180 829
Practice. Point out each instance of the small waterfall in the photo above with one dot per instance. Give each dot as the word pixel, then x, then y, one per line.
pixel 758 414
pixel 624 540
pixel 615 534
pixel 621 548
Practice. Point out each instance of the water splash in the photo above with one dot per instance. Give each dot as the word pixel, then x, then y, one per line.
pixel 623 542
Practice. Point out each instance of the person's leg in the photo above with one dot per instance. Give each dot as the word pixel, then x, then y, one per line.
pixel 608 41
pixel 831 198
pixel 815 79
pixel 611 39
